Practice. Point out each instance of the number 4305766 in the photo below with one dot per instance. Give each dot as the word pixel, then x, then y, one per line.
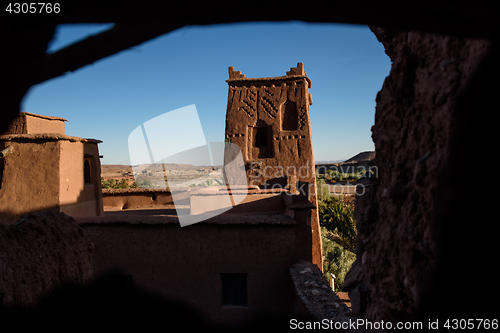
pixel 33 7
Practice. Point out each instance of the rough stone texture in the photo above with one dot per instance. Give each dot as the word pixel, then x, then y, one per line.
pixel 315 294
pixel 466 224
pixel 413 135
pixel 40 252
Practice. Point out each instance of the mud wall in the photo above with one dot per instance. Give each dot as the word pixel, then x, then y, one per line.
pixel 186 263
pixel 116 199
pixel 29 178
pixel 414 133
pixel 43 124
pixel 77 198
pixel 40 252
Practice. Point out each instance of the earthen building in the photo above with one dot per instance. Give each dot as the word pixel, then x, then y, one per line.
pixel 44 169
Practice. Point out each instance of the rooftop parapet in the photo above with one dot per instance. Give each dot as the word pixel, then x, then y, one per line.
pixel 294 73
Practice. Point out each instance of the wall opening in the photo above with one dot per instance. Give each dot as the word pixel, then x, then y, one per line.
pixel 234 289
pixel 289 117
pixel 87 170
pixel 260 142
pixel 261 137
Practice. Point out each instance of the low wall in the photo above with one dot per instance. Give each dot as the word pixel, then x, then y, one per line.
pixel 243 201
pixel 202 200
pixel 314 295
pixel 116 199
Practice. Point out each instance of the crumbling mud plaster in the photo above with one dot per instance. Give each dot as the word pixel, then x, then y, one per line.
pixel 40 252
pixel 414 129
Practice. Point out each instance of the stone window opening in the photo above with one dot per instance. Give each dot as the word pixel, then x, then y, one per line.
pixel 87 170
pixel 289 120
pixel 234 289
pixel 261 137
pixel 260 141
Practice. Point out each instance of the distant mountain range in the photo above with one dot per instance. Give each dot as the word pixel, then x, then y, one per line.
pixel 105 168
pixel 363 156
pixel 328 161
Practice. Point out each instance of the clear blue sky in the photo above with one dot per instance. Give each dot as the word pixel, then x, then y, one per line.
pixel 110 98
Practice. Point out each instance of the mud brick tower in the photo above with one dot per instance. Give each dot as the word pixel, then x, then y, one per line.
pixel 269 119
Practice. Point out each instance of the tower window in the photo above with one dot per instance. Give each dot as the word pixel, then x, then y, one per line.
pixel 87 163
pixel 261 147
pixel 234 289
pixel 290 116
pixel 261 137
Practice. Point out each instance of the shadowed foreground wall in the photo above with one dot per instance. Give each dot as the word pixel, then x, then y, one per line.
pixel 185 263
pixel 40 252
pixel 398 220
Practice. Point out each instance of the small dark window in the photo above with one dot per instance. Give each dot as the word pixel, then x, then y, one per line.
pixel 260 141
pixel 234 289
pixel 290 116
pixel 87 170
pixel 261 138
